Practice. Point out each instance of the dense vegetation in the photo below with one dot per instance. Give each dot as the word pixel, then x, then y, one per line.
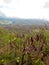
pixel 24 48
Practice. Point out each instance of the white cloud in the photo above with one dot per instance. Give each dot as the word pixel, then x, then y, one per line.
pixel 46 4
pixel 26 9
pixel 7 1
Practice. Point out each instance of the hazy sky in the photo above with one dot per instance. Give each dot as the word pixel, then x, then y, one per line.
pixel 25 8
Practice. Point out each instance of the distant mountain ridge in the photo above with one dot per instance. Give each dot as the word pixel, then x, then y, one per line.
pixel 18 21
